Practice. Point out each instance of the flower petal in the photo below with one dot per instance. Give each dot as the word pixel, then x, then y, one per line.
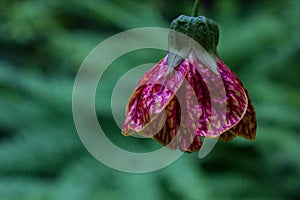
pixel 205 84
pixel 222 100
pixel 176 131
pixel 197 104
pixel 167 135
pixel 190 144
pixel 246 128
pixel 236 94
pixel 152 94
pixel 227 136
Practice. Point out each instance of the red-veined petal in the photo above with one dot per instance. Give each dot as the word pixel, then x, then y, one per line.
pixel 236 96
pixel 246 128
pixel 152 94
pixel 167 135
pixel 227 136
pixel 222 100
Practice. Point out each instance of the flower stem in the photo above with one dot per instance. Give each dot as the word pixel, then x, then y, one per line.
pixel 196 8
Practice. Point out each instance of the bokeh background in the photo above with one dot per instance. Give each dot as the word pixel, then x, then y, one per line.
pixel 42 44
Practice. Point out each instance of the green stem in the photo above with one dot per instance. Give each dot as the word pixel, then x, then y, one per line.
pixel 196 8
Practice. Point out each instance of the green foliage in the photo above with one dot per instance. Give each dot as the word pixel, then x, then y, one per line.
pixel 42 44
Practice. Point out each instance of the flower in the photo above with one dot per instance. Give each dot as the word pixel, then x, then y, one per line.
pixel 176 107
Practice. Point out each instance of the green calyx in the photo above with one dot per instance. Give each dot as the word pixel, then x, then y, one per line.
pixel 201 29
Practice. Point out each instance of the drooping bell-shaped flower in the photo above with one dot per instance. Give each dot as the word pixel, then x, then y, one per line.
pixel 182 100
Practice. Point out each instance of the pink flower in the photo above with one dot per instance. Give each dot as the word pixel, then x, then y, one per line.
pixel 162 105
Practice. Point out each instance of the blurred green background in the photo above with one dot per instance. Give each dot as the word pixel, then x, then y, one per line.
pixel 42 44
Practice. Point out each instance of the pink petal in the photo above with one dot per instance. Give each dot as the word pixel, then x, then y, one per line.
pixel 222 100
pixel 246 128
pixel 152 94
pixel 167 135
pixel 182 119
pixel 198 101
pixel 237 99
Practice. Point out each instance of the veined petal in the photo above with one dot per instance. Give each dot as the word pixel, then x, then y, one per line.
pixel 197 101
pixel 167 135
pixel 152 94
pixel 211 101
pixel 187 137
pixel 236 96
pixel 246 128
pixel 195 146
pixel 188 141
pixel 222 99
pixel 227 136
